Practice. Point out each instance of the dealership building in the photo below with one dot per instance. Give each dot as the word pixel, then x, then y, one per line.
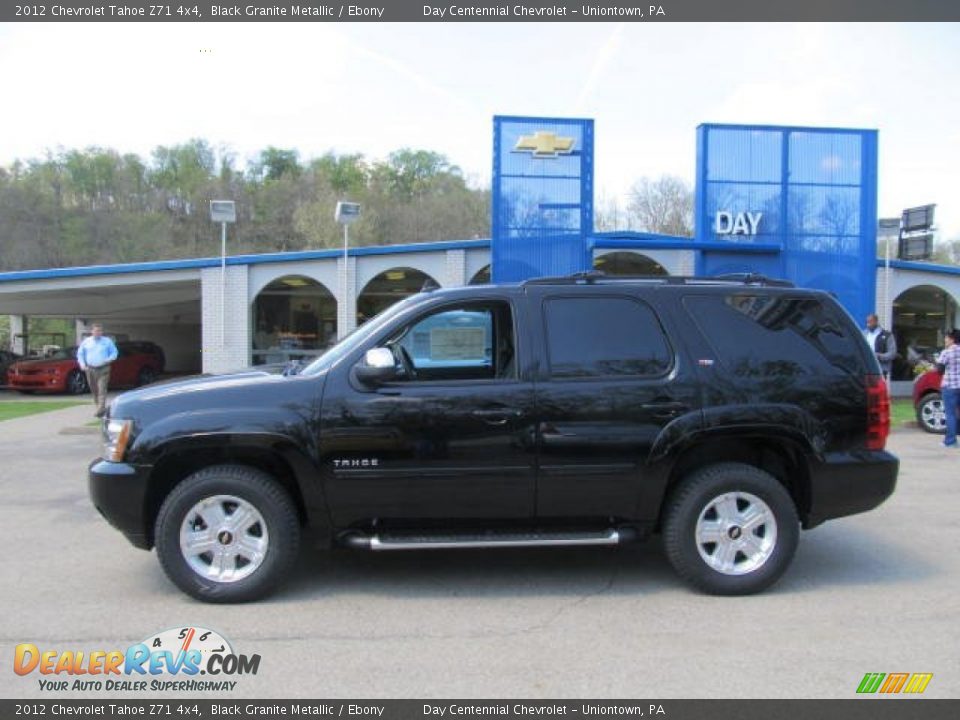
pixel 792 202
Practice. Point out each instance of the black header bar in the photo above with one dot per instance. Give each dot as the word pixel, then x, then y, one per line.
pixel 474 11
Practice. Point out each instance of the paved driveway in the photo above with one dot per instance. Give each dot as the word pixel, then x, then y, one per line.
pixel 878 592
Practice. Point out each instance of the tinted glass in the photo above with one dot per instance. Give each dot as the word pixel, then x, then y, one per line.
pixel 763 335
pixel 601 336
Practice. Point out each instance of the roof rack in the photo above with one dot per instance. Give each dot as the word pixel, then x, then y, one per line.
pixel 594 277
pixel 754 279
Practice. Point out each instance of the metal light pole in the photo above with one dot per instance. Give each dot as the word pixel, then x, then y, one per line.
pixel 345 214
pixel 223 212
pixel 888 229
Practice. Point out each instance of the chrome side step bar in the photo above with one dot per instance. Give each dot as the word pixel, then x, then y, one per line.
pixel 440 541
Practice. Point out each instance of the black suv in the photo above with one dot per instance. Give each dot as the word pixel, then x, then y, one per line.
pixel 724 414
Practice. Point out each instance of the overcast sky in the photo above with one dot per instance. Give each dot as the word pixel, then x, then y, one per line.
pixel 373 88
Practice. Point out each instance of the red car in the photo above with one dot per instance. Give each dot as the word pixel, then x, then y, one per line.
pixel 928 403
pixel 60 372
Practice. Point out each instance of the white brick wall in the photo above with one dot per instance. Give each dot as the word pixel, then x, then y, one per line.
pixel 883 309
pixel 455 272
pixel 18 325
pixel 225 340
pixel 346 297
pixel 686 262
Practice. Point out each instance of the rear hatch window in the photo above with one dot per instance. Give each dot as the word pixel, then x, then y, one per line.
pixel 763 335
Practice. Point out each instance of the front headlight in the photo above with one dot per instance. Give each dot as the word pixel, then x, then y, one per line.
pixel 116 435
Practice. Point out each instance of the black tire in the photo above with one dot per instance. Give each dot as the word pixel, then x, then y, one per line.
pixel 146 376
pixel 695 496
pixel 930 414
pixel 77 383
pixel 252 486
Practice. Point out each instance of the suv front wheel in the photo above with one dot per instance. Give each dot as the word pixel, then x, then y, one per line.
pixel 730 529
pixel 227 533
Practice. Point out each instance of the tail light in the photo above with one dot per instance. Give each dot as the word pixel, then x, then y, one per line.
pixel 878 412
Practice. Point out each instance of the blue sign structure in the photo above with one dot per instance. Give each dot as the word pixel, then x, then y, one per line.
pixel 542 197
pixel 813 191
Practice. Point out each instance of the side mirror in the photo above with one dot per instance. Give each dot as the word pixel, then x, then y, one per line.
pixel 378 366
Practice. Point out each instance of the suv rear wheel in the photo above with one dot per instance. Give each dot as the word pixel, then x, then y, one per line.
pixel 227 533
pixel 730 529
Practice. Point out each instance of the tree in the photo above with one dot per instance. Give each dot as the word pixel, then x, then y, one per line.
pixel 608 214
pixel 411 172
pixel 183 170
pixel 947 252
pixel 275 163
pixel 664 205
pixel 91 206
pixel 344 174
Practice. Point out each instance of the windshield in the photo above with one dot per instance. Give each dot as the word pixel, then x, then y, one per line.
pixel 359 336
pixel 63 354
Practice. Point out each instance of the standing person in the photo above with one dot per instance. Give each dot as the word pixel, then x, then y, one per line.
pixel 949 362
pixel 882 343
pixel 95 355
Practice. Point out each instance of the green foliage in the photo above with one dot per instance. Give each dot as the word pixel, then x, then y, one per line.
pixel 276 163
pixel 92 206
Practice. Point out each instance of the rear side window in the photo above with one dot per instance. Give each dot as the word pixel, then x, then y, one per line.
pixel 602 336
pixel 774 335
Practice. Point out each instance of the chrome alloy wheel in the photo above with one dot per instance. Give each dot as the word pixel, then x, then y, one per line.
pixel 736 533
pixel 224 538
pixel 933 416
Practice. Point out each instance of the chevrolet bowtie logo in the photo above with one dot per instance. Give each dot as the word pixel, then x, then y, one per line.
pixel 544 144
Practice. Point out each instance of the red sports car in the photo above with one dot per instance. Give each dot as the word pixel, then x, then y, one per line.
pixel 60 372
pixel 928 403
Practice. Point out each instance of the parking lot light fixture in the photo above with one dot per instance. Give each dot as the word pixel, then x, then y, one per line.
pixel 345 214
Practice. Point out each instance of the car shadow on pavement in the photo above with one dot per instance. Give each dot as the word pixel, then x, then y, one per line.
pixel 827 557
pixel 518 572
pixel 842 554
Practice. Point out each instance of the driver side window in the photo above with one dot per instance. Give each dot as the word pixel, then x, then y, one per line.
pixel 470 342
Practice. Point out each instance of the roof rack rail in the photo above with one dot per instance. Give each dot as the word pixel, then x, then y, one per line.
pixel 584 277
pixel 592 277
pixel 749 278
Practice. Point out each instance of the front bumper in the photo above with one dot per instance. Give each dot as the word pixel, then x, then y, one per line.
pixel 847 483
pixel 118 492
pixel 50 383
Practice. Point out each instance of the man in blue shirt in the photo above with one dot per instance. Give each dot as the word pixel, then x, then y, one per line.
pixel 94 356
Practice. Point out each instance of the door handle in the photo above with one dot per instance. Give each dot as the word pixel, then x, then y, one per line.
pixel 665 409
pixel 499 416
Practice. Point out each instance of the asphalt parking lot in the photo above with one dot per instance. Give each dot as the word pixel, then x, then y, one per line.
pixel 879 592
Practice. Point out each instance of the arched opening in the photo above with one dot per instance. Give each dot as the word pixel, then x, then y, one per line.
pixel 628 263
pixel 921 315
pixel 388 287
pixel 293 317
pixel 482 276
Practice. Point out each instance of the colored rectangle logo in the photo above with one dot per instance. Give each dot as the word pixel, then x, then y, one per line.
pixel 894 683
